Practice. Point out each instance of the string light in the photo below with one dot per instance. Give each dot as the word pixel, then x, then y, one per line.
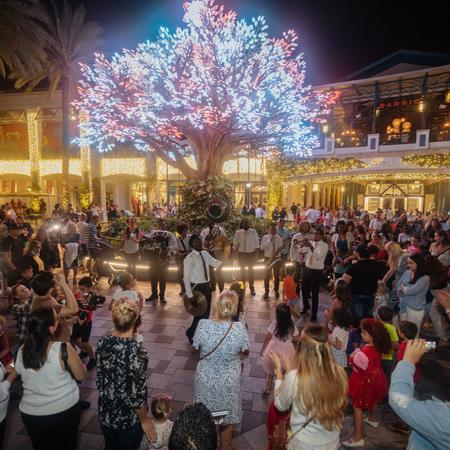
pixel 54 167
pixel 216 80
pixel 34 147
pixel 436 160
pixel 19 167
pixel 123 166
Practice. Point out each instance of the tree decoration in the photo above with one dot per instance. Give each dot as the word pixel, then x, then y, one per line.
pixel 211 90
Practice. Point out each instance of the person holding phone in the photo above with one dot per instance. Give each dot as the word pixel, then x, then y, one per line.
pixel 429 419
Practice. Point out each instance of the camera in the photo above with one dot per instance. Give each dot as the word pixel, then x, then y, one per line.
pixel 430 346
pixel 93 302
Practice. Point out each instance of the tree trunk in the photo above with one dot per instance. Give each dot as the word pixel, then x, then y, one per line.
pixel 65 111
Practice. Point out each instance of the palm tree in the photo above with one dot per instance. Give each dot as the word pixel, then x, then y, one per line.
pixel 69 40
pixel 21 37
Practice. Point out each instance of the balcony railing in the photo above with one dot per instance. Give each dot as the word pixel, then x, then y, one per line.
pixel 440 135
pixel 398 138
pixel 351 139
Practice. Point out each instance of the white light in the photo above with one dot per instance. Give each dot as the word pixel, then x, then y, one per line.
pixel 173 268
pixel 249 185
pixel 142 267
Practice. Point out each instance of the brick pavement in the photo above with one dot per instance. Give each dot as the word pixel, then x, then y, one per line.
pixel 171 370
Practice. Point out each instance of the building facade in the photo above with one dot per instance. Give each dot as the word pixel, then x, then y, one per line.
pixel 385 144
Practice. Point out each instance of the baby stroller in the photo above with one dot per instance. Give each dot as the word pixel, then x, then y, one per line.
pixel 103 253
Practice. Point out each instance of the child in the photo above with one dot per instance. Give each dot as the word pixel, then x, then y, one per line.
pixel 81 330
pixel 5 355
pixel 290 296
pixel 20 307
pixel 354 336
pixel 339 336
pixel 341 299
pixel 25 277
pixel 387 360
pixel 407 331
pixel 127 284
pixel 161 411
pixel 382 296
pixel 241 313
pixel 280 336
pixel 368 384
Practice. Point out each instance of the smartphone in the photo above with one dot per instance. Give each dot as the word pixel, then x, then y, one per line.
pixel 12 364
pixel 430 346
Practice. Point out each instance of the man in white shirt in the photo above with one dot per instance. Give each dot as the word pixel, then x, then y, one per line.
pixel 377 222
pixel 314 264
pixel 272 244
pixel 196 276
pixel 258 212
pixel 310 214
pixel 246 243
pixel 158 245
pixel 298 251
pixel 208 235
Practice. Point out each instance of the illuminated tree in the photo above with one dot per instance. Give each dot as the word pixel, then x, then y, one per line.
pixel 210 91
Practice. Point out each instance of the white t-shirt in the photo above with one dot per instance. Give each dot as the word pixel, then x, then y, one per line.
pixel 340 355
pixel 49 390
pixel 4 393
pixel 376 224
pixel 128 294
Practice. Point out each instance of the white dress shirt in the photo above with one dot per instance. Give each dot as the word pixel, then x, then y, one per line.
pixel 271 244
pixel 298 253
pixel 315 258
pixel 185 240
pixel 194 270
pixel 310 215
pixel 172 241
pixel 246 241
pixel 376 224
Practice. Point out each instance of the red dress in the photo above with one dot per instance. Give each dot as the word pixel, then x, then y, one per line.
pixel 367 386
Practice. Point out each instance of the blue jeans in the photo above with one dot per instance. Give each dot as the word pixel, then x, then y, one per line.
pixel 362 305
pixel 128 439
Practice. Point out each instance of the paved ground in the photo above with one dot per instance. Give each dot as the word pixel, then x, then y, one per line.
pixel 172 366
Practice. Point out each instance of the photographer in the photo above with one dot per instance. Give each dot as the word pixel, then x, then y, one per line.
pixel 88 301
pixel 429 419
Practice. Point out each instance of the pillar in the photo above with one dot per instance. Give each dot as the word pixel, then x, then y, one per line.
pixel 34 148
pixel 85 159
pixel 309 194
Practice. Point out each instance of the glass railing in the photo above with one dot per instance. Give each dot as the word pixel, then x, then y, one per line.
pixel 351 139
pixel 440 135
pixel 398 138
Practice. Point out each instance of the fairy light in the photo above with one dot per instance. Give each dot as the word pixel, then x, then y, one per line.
pixel 123 166
pixel 54 166
pixel 159 96
pixel 436 160
pixel 34 147
pixel 19 167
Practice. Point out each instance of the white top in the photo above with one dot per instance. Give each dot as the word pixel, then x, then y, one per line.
pixel 81 226
pixel 258 212
pixel 4 393
pixel 314 433
pixel 163 430
pixel 310 215
pixel 130 295
pixel 194 272
pixel 49 390
pixel 271 245
pixel 246 241
pixel 376 224
pixel 315 259
pixel 297 253
pixel 185 241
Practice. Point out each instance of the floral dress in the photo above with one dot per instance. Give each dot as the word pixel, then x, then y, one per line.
pixel 218 377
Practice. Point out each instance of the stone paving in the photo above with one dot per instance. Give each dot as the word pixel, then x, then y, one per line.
pixel 171 370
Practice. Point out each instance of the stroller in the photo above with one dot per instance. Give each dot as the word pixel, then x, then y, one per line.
pixel 104 253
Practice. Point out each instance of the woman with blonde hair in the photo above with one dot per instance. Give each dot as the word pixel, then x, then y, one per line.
pixel 122 383
pixel 217 383
pixel 316 390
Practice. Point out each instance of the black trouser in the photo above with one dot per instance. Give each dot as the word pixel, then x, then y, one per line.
pixel 205 289
pixel 158 274
pixel 180 274
pixel 298 275
pixel 216 276
pixel 2 432
pixel 55 431
pixel 247 260
pixel 132 260
pixel 310 289
pixel 128 439
pixel 275 268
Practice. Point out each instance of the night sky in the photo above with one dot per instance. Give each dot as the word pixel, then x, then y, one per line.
pixel 336 37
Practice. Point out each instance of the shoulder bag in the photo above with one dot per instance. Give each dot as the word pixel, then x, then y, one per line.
pixel 218 345
pixel 65 359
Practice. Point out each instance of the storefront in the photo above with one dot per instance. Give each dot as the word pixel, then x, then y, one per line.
pixel 406 196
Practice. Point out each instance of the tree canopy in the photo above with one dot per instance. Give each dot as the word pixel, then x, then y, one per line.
pixel 211 90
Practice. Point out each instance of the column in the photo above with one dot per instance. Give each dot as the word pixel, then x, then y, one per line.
pixel 85 159
pixel 309 194
pixel 34 147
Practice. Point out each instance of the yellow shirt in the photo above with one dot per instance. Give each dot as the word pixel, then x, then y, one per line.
pixel 394 338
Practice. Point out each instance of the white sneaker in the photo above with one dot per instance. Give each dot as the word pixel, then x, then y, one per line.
pixel 371 422
pixel 350 443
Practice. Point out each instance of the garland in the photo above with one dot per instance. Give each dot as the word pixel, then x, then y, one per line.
pixel 435 161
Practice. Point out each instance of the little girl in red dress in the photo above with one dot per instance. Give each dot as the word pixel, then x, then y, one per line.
pixel 368 384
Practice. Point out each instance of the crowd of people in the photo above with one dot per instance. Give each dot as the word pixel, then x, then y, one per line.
pixel 387 272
